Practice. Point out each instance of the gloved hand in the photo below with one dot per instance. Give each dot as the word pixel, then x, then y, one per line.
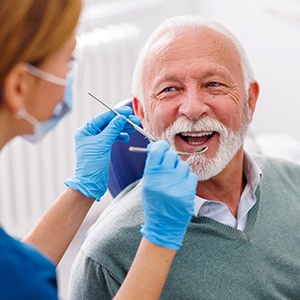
pixel 93 142
pixel 168 192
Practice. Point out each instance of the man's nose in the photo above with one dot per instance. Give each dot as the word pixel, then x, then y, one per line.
pixel 194 105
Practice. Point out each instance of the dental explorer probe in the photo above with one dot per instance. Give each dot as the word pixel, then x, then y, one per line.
pixel 136 127
pixel 198 150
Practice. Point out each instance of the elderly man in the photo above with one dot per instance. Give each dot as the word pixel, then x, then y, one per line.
pixel 193 86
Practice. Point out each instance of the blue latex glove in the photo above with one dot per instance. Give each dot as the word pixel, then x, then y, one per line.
pixel 93 142
pixel 168 191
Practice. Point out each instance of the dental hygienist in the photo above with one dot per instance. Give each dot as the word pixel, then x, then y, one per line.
pixel 37 41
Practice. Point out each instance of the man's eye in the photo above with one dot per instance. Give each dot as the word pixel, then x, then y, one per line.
pixel 168 89
pixel 214 84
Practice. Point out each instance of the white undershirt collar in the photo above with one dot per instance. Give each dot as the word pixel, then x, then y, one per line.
pixel 219 211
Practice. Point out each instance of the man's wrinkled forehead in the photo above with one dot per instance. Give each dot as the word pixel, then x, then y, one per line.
pixel 161 45
pixel 190 44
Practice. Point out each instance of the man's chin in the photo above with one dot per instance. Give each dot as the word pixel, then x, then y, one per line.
pixel 206 168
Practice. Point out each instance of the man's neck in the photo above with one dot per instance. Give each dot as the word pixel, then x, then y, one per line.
pixel 227 186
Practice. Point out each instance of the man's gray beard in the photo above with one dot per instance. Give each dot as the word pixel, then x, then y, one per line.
pixel 230 142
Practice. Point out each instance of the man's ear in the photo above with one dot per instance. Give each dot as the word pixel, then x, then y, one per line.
pixel 15 87
pixel 253 93
pixel 138 108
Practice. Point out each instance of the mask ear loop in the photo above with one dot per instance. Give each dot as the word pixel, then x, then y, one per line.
pixel 45 75
pixel 23 114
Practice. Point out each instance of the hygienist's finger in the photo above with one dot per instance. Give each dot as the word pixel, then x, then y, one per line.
pixel 170 160
pixel 182 169
pixel 134 119
pixel 103 119
pixel 155 154
pixel 114 128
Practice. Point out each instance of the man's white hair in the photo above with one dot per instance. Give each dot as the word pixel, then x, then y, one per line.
pixel 181 23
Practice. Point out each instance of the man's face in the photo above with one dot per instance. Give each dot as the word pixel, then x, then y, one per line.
pixel 194 96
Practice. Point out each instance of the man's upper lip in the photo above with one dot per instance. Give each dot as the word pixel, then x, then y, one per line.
pixel 196 134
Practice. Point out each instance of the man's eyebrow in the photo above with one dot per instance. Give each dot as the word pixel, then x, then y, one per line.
pixel 168 78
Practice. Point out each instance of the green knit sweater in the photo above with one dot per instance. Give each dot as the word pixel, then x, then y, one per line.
pixel 215 261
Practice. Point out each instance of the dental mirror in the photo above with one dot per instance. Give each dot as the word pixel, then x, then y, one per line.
pixel 198 150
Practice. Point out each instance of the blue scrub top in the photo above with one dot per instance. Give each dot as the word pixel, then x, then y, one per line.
pixel 24 272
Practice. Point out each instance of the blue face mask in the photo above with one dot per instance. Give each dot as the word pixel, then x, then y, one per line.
pixel 40 129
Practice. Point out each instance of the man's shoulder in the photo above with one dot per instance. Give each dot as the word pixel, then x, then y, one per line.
pixel 279 174
pixel 269 163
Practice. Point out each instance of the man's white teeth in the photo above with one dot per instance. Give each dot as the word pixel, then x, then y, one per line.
pixel 194 143
pixel 196 134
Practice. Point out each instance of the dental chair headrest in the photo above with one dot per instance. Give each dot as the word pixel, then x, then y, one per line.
pixel 125 166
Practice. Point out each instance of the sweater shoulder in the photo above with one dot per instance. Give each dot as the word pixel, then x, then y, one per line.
pixel 269 165
pixel 280 179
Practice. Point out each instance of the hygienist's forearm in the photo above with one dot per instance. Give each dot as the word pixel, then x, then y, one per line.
pixel 55 231
pixel 148 273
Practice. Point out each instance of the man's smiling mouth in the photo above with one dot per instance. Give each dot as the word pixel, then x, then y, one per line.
pixel 196 138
